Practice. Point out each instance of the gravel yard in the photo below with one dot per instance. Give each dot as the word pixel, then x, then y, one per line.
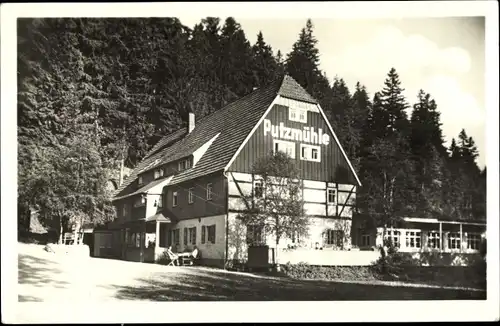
pixel 50 277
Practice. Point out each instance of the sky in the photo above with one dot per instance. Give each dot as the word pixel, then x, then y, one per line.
pixel 445 57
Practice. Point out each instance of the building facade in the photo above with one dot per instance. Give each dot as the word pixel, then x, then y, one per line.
pixel 189 189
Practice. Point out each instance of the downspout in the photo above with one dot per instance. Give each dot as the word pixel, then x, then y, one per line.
pixel 226 184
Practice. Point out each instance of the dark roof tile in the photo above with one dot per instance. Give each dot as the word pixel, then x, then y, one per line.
pixel 233 123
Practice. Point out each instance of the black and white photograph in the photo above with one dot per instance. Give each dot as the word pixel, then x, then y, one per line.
pixel 335 158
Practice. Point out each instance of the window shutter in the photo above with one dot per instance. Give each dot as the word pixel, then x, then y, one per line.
pixel 185 236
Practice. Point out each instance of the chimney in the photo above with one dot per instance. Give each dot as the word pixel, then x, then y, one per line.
pixel 191 122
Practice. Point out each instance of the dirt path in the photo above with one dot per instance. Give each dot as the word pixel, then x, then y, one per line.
pixel 48 277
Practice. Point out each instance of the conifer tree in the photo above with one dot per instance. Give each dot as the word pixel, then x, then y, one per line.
pixel 302 62
pixel 265 65
pixel 236 59
pixel 427 151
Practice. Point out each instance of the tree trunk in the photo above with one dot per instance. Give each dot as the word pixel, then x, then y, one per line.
pixel 60 230
pixel 276 253
pixel 75 233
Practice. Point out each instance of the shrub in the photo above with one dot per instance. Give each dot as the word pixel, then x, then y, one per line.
pixel 392 262
pixel 349 273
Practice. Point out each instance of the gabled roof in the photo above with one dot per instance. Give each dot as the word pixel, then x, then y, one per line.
pixel 233 123
pixel 292 90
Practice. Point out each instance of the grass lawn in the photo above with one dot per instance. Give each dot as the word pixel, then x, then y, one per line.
pixel 48 277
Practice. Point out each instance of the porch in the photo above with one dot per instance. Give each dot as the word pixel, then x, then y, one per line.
pixel 141 240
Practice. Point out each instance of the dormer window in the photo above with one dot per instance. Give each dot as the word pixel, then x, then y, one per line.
pixel 296 114
pixel 184 165
pixel 158 173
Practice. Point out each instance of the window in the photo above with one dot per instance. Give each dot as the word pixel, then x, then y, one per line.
pixel 299 115
pixel 295 237
pixel 285 147
pixel 174 198
pixel 310 153
pixel 365 240
pixel 139 180
pixel 413 239
pixel 393 236
pixel 209 191
pixel 258 189
pixel 191 195
pixel 203 233
pixel 176 237
pixel 433 240
pixel 192 235
pixel 255 235
pixel 125 210
pixel 454 240
pixel 211 233
pixel 185 236
pixel 138 240
pixel 473 240
pixel 332 196
pixel 184 165
pixel 139 202
pixel 160 201
pixel 134 240
pixel 158 173
pixel 106 240
pixel 334 237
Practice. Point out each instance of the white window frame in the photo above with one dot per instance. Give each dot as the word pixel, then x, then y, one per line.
pixel 174 199
pixel 328 196
pixel 209 191
pixel 394 236
pixel 333 237
pixel 184 165
pixel 476 237
pixel 160 201
pixel 255 235
pixel 433 235
pixel 454 241
pixel 294 114
pixel 287 144
pixel 413 235
pixel 308 151
pixel 191 195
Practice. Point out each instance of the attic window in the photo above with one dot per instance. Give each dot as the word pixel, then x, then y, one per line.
pixel 139 180
pixel 158 173
pixel 299 115
pixel 184 165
